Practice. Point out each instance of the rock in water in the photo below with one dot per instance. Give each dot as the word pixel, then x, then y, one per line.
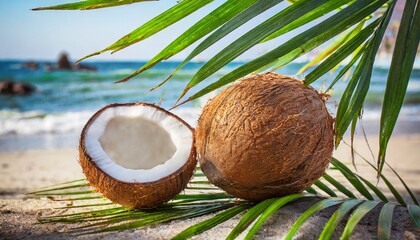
pixel 9 87
pixel 30 65
pixel 63 62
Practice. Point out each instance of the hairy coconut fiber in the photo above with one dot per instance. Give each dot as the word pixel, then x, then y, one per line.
pixel 137 195
pixel 265 136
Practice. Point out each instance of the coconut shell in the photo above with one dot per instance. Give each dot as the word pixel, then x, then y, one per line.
pixel 137 195
pixel 265 136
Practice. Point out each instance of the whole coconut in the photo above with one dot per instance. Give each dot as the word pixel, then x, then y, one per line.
pixel 265 136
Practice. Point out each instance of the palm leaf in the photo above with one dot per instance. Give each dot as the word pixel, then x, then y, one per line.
pixel 311 44
pixel 278 203
pixel 385 221
pixel 253 37
pixel 339 186
pixel 378 192
pixel 306 18
pixel 321 32
pixel 105 203
pixel 347 67
pixel 311 211
pixel 311 190
pixel 414 211
pixel 188 205
pixel 90 4
pixel 246 15
pixel 249 217
pixel 390 186
pixel 162 21
pixel 356 91
pixel 325 188
pixel 162 217
pixel 66 193
pixel 210 223
pixel 352 133
pixel 207 24
pixel 413 197
pixel 336 44
pixel 341 53
pixel 337 217
pixel 352 178
pixel 356 216
pixel 49 190
pixel 393 190
pixel 399 74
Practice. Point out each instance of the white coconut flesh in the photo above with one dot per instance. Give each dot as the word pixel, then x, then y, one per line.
pixel 138 143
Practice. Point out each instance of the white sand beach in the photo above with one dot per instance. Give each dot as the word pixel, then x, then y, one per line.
pixel 25 171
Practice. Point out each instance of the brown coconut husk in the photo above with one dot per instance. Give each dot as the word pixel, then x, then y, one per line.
pixel 265 136
pixel 137 195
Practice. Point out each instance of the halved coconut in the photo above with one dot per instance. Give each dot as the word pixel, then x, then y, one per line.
pixel 137 154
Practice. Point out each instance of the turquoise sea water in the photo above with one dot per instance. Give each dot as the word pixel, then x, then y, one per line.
pixel 65 100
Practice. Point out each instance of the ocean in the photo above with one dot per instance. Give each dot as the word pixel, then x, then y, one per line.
pixel 54 115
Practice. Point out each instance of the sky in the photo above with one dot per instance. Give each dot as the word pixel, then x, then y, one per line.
pixel 42 35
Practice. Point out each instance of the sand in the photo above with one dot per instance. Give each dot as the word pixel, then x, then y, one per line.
pixel 24 171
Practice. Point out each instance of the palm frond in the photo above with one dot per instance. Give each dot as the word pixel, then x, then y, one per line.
pixel 347 67
pixel 249 217
pixel 90 4
pixel 211 222
pixel 390 186
pixel 112 217
pixel 385 221
pixel 340 187
pixel 272 208
pixel 311 190
pixel 257 34
pixel 342 51
pixel 326 203
pixel 413 197
pixel 315 35
pixel 356 216
pixel 240 19
pixel 352 100
pixel 325 188
pixel 155 25
pixel 406 45
pixel 210 22
pixel 376 190
pixel 318 12
pixel 336 44
pixel 352 178
pixel 414 211
pixel 338 215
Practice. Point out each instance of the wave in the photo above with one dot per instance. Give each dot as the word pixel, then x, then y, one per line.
pixel 36 122
pixel 408 113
